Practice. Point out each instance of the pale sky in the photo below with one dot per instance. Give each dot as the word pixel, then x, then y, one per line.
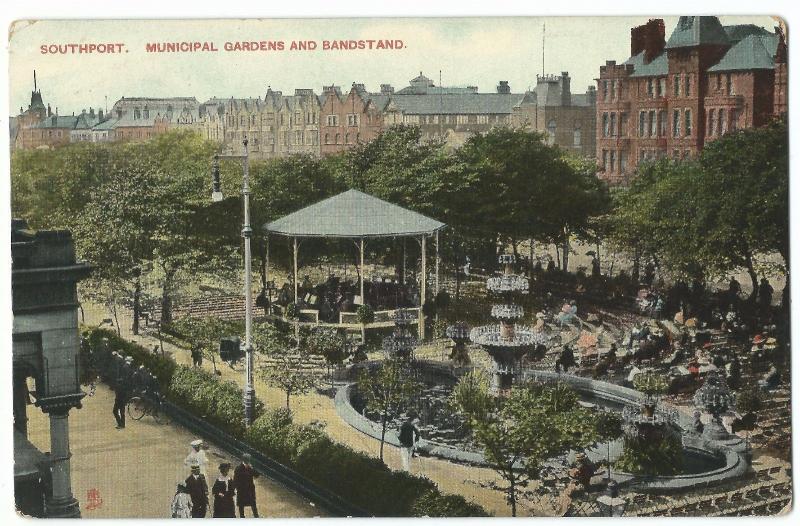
pixel 468 51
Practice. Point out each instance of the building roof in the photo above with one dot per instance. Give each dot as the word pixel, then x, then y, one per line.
pixel 658 67
pixel 753 52
pixel 108 124
pixel 738 32
pixel 697 30
pixel 450 103
pixel 58 121
pixel 353 214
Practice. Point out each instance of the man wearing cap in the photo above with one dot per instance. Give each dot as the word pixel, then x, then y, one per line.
pixel 122 392
pixel 197 487
pixel 243 477
pixel 223 491
pixel 197 456
pixel 408 437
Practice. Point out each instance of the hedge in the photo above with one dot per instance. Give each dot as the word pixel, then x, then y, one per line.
pixel 362 480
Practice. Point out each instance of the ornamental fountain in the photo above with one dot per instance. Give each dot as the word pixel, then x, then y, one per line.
pixel 401 343
pixel 716 398
pixel 506 341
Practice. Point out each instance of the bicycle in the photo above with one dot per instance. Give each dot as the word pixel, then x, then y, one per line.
pixel 141 405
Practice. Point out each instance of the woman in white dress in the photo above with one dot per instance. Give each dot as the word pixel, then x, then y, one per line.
pixel 181 507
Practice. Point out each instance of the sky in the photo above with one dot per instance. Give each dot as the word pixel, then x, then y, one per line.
pixel 467 51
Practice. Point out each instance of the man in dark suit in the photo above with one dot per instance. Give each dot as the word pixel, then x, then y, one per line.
pixel 223 491
pixel 122 391
pixel 198 491
pixel 243 477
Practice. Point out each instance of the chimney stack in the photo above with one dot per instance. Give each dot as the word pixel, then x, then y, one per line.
pixel 49 111
pixel 387 89
pixel 648 38
pixel 503 87
pixel 566 94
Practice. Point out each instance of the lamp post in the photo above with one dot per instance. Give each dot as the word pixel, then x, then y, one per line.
pixel 247 233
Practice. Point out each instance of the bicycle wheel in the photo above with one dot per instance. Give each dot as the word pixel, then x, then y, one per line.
pixel 137 408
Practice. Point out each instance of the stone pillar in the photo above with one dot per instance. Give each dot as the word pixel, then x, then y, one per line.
pixel 61 502
pixel 20 402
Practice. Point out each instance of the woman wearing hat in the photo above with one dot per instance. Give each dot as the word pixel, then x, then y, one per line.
pixel 197 456
pixel 181 506
pixel 223 491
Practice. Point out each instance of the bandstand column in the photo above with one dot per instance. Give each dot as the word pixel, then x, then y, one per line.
pixel 436 282
pixel 422 291
pixel 361 270
pixel 294 239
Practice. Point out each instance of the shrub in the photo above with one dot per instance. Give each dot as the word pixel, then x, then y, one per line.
pixel 100 343
pixel 365 314
pixel 219 402
pixel 434 504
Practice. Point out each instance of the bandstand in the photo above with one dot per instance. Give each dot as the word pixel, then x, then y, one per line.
pixel 359 217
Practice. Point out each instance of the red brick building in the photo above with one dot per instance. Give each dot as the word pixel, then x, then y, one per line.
pixel 347 120
pixel 673 96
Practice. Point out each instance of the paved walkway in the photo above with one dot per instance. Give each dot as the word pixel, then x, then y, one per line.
pixel 134 470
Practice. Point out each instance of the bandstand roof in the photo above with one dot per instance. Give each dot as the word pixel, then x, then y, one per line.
pixel 353 214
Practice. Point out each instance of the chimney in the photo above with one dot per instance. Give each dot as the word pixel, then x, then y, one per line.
pixel 49 111
pixel 503 87
pixel 100 114
pixel 648 38
pixel 591 95
pixel 566 94
pixel 91 113
pixel 386 89
pixel 54 119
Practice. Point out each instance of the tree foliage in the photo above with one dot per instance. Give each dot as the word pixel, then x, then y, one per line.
pixel 520 431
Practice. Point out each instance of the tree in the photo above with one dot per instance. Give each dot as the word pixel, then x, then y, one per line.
pixel 520 431
pixel 711 216
pixel 386 390
pixel 288 373
pixel 329 344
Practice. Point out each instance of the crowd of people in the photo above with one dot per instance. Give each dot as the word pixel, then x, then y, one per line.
pixel 336 295
pixel 229 491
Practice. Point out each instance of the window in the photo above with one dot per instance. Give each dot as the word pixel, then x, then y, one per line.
pixel 687 122
pixel 137 114
pixel 676 123
pixel 551 130
pixel 352 119
pixel 623 162
pixel 650 88
pixel 686 84
pixel 612 160
pixel 338 138
pixel 605 124
pixel 576 135
pixel 662 123
pixel 662 86
pixel 641 124
pixel 461 119
pixel 332 120
pixel 605 160
pixel 483 119
pixel 347 138
pixel 711 122
pixel 605 91
pixel 719 80
pixel 653 125
pixel 722 125
pixel 676 85
pixel 734 118
pixel 623 124
pixel 613 125
pixel 613 90
pixel 728 84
